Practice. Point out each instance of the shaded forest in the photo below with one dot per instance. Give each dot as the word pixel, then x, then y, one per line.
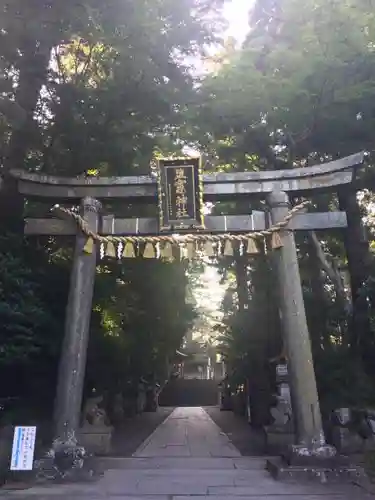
pixel 104 88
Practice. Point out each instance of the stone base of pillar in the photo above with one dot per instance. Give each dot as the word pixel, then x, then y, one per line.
pixel 323 470
pixel 303 455
pixel 96 439
pixel 66 461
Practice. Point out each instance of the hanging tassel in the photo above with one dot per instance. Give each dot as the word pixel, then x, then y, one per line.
pixel 276 240
pixel 129 251
pixel 110 250
pixel 89 246
pixel 228 248
pixel 166 250
pixel 149 251
pixel 191 250
pixel 252 247
pixel 209 249
pixel 101 250
pixel 178 253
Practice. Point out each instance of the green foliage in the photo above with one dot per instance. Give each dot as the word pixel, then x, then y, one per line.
pixel 116 79
pixel 140 325
pixel 21 309
pixel 304 85
pixel 92 88
pixel 342 381
pixel 300 91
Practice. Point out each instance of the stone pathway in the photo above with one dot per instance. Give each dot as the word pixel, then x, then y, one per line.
pixel 187 432
pixel 188 457
pixel 129 436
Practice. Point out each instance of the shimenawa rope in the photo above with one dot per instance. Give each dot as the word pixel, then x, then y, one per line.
pixel 182 239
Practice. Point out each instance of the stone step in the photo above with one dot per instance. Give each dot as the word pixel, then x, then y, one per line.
pixel 185 463
pixel 216 483
pixel 242 478
pixel 190 392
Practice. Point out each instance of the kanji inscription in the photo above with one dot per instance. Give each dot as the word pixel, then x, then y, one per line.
pixel 180 195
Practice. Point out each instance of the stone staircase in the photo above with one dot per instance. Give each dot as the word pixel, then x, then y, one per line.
pixel 190 392
pixel 189 478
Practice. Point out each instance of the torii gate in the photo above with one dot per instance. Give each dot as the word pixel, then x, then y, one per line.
pixel 183 215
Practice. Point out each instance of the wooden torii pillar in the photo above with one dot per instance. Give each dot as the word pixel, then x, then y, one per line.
pixel 272 185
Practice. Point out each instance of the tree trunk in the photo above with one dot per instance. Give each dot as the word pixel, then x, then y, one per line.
pixel 330 271
pixel 317 322
pixel 265 340
pixel 320 262
pixel 359 259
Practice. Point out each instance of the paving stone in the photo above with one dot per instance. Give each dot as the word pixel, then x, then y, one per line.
pixel 247 463
pixel 143 497
pixel 163 488
pixel 261 488
pixel 270 497
pixel 193 463
pixel 188 432
pixel 91 497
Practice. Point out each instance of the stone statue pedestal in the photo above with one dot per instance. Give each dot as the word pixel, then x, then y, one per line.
pixel 346 441
pixel 278 438
pixel 95 435
pixel 96 439
pixel 353 431
pixel 280 435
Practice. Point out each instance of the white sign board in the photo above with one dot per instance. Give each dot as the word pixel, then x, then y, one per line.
pixel 281 370
pixel 23 448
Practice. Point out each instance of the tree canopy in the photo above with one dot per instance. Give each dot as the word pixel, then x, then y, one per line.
pixel 299 92
pixel 91 89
